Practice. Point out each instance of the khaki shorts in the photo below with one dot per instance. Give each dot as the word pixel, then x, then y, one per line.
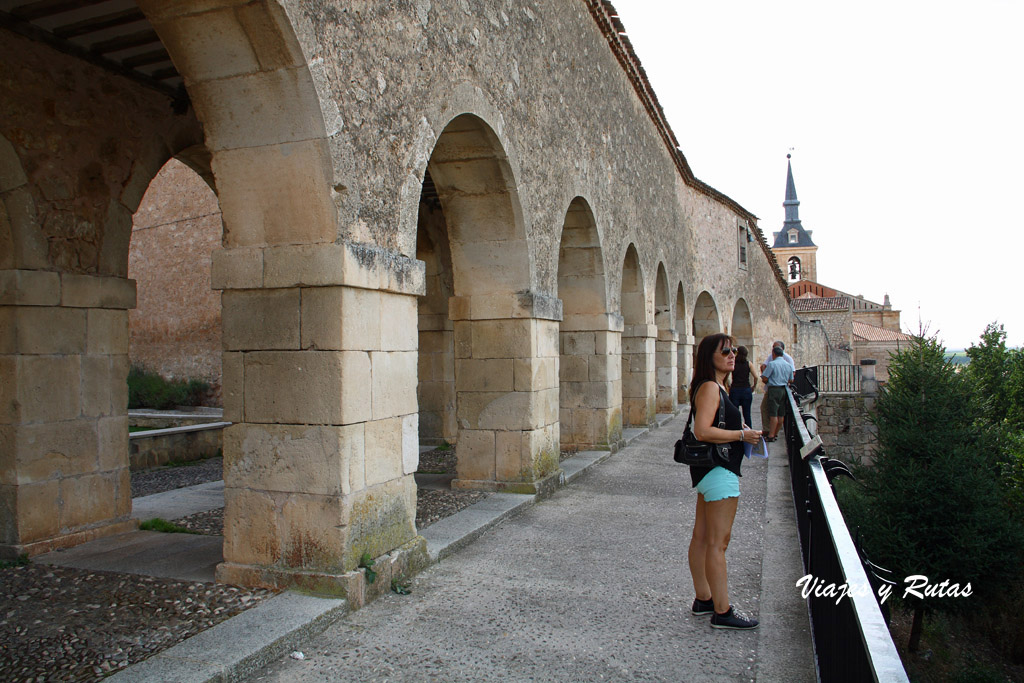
pixel 777 401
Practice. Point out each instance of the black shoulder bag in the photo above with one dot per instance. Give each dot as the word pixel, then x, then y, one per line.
pixel 690 451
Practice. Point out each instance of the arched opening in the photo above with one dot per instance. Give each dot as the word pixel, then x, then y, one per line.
pixel 665 347
pixel 638 338
pixel 743 328
pixel 174 331
pixel 684 351
pixel 705 317
pixel 482 369
pixel 588 369
pixel 793 269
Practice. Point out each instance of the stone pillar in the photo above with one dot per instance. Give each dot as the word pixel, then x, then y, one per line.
pixel 506 379
pixel 685 366
pixel 436 391
pixel 666 359
pixel 320 358
pixel 868 383
pixel 590 383
pixel 64 475
pixel 638 382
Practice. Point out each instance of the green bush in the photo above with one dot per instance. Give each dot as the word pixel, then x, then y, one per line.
pixel 150 390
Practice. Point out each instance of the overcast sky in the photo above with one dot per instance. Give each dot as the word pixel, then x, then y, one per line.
pixel 905 123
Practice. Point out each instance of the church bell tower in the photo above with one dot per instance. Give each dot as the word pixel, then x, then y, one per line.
pixel 793 248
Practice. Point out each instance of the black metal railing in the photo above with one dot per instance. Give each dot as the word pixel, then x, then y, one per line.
pixel 839 379
pixel 851 639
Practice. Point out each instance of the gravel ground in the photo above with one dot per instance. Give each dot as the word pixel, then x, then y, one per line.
pixel 160 479
pixel 64 624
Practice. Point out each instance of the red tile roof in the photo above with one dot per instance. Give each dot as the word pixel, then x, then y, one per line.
pixel 871 333
pixel 821 303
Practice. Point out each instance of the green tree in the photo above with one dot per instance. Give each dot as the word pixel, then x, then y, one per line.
pixel 932 503
pixel 989 371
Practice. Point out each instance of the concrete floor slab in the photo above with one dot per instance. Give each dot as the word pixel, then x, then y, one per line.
pixel 180 502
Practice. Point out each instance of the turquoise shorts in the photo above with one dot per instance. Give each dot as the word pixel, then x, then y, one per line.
pixel 719 484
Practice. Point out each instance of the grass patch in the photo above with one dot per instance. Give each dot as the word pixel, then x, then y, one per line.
pixel 132 430
pixel 151 390
pixel 163 526
pixel 10 564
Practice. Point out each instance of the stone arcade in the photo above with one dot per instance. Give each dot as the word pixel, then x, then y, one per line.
pixel 442 220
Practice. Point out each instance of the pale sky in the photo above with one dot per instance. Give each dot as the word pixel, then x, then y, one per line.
pixel 905 123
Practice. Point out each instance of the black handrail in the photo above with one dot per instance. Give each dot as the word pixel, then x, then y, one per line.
pixel 851 639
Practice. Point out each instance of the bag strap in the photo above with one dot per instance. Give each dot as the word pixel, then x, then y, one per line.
pixel 721 409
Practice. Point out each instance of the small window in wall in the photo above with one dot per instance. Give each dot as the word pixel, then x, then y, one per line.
pixel 743 238
pixel 794 237
pixel 794 269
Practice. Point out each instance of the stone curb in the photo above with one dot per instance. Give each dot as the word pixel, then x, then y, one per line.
pixel 240 646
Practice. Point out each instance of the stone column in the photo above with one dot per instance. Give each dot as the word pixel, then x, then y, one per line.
pixel 436 391
pixel 685 365
pixel 638 382
pixel 590 382
pixel 320 358
pixel 64 475
pixel 506 379
pixel 666 358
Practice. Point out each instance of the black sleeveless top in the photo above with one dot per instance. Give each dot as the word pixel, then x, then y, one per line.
pixel 741 375
pixel 733 420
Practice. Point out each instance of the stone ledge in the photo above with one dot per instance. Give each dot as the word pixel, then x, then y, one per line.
pixel 242 645
pixel 96 291
pixel 12 551
pixel 349 264
pixel 505 307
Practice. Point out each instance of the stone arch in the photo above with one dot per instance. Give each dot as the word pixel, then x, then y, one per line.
pixel 742 328
pixel 684 351
pixel 477 191
pixel 284 326
pixel 503 382
pixel 589 404
pixel 251 88
pixel 706 319
pixel 638 340
pixel 665 361
pixel 633 298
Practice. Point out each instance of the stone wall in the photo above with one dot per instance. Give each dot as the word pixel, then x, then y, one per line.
pixel 175 327
pixel 879 351
pixel 845 427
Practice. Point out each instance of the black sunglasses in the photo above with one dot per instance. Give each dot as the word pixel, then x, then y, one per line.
pixel 726 351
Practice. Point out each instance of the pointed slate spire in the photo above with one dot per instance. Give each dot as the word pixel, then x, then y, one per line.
pixel 792 206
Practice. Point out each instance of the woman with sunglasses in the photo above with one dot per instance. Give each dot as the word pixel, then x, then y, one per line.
pixel 718 488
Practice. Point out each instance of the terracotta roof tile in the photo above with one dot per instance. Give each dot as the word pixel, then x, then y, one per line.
pixel 821 303
pixel 871 333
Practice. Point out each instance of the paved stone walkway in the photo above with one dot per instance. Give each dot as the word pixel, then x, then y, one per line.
pixel 591 584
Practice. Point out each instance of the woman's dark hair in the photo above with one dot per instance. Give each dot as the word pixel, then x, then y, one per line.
pixel 741 353
pixel 704 364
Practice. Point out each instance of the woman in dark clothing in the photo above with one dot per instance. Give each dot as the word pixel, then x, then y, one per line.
pixel 717 487
pixel 744 381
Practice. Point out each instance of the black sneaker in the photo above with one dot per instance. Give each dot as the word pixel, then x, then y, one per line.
pixel 702 607
pixel 733 619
